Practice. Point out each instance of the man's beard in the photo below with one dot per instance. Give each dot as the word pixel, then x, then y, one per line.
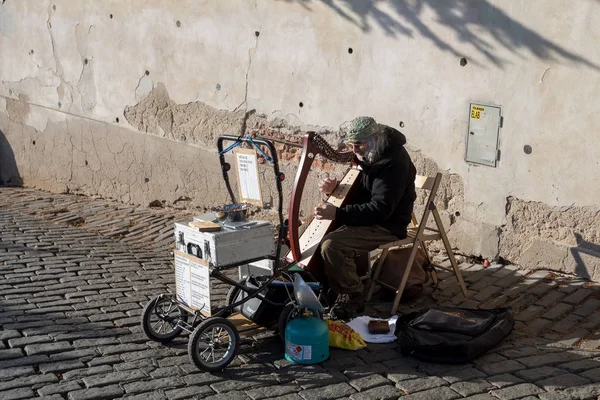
pixel 376 149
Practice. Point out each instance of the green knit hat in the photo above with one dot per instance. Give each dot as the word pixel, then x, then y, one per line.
pixel 362 128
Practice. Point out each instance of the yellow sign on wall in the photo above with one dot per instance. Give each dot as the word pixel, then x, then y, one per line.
pixel 476 112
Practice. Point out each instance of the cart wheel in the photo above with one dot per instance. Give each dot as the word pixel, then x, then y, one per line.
pixel 213 344
pixel 290 311
pixel 160 319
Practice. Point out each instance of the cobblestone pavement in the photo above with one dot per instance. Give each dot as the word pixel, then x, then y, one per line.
pixel 76 273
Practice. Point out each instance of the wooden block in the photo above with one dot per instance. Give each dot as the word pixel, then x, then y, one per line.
pixel 205 226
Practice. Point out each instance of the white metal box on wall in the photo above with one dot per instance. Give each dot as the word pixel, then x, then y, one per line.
pixel 227 246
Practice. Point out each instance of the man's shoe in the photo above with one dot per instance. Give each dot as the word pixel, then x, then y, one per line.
pixel 347 306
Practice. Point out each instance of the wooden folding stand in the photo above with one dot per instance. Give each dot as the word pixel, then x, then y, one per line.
pixel 418 235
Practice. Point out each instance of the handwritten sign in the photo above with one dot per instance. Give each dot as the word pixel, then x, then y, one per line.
pixel 248 179
pixel 192 284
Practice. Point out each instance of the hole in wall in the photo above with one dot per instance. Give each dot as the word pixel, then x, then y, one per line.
pixel 401 124
pixel 463 62
pixel 457 213
pixel 117 119
pixel 86 162
pixel 301 104
pixel 527 149
pixel 257 33
pixel 10 91
pixel 85 61
pixel 31 52
pixel 111 16
pixel 59 104
pixel 54 7
pixel 178 23
pixel 218 86
pixel 33 142
pixel 147 72
pixel 146 180
pixel 350 51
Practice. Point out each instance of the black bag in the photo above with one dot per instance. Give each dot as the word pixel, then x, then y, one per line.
pixel 260 311
pixel 452 335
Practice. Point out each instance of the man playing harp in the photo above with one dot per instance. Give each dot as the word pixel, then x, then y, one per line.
pixel 379 213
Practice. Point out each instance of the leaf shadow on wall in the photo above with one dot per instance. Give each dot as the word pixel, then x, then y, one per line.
pixel 9 172
pixel 591 250
pixel 467 18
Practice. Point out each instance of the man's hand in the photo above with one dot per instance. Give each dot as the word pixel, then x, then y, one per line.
pixel 325 211
pixel 327 185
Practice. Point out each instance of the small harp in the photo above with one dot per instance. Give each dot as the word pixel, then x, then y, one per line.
pixel 303 248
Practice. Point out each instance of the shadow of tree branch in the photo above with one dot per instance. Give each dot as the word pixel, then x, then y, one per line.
pixel 469 19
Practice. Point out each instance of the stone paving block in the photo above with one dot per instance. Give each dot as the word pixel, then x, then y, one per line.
pixel 483 396
pixel 515 392
pixel 468 388
pixel 463 374
pixel 557 311
pixel 148 396
pixel 335 391
pixel 204 378
pixel 593 374
pixel 115 377
pixel 313 380
pixel 566 324
pixel 588 307
pixel 7 354
pixel 579 392
pixel 47 348
pixel 502 367
pixel 561 382
pixel 536 374
pixel 417 385
pixel 579 365
pixel 378 393
pixel 58 388
pixel 16 394
pixel 404 373
pixel 84 355
pixel 104 393
pixel 9 334
pixel 193 392
pixel 31 381
pixel 549 359
pixel 121 348
pixel 529 313
pixel 235 395
pixel 60 366
pixel 440 393
pixel 570 339
pixel 504 380
pixel 31 360
pixel 550 299
pixel 88 371
pixel 272 391
pixel 359 371
pixel 166 372
pixel 578 296
pixel 368 382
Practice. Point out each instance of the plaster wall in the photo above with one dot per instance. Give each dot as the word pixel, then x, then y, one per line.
pixel 98 97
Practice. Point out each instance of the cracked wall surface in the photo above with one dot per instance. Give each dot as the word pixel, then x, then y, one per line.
pixel 126 101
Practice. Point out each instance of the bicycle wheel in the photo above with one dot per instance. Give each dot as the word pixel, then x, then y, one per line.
pixel 160 319
pixel 213 344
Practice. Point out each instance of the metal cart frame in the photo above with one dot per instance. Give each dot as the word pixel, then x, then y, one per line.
pixel 214 341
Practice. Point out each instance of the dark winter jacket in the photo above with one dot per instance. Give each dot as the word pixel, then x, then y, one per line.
pixel 387 191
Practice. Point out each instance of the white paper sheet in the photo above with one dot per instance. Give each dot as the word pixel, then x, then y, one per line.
pixel 247 167
pixel 361 326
